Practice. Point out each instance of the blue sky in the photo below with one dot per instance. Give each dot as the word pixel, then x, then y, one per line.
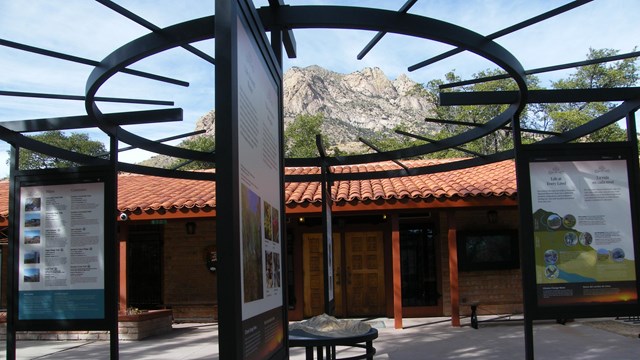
pixel 88 29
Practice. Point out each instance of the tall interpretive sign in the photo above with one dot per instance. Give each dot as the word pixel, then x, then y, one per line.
pixel 252 315
pixel 582 238
pixel 62 252
pixel 61 242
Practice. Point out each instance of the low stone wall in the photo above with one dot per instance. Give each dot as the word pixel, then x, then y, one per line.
pixel 130 327
pixel 140 326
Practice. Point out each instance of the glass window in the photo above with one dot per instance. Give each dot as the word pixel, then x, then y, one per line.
pixel 418 268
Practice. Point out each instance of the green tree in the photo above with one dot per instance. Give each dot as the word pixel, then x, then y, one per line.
pixel 76 142
pixel 552 117
pixel 393 141
pixel 567 116
pixel 300 136
pixel 477 114
pixel 199 143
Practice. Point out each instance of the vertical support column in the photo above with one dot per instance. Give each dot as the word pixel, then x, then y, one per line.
pixel 123 234
pixel 632 132
pixel 113 241
pixel 397 275
pixel 453 268
pixel 13 258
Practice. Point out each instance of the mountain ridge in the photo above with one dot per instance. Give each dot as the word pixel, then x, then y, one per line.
pixel 358 104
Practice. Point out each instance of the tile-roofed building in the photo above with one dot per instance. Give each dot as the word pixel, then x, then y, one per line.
pixel 172 222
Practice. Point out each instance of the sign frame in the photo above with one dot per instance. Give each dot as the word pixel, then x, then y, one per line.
pixel 48 180
pixel 249 166
pixel 555 302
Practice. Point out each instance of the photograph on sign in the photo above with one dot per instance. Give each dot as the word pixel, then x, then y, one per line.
pixel 583 235
pixel 61 252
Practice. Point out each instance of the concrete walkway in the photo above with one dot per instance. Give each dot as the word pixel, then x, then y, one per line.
pixel 431 338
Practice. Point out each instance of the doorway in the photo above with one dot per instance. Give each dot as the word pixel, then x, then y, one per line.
pixel 420 277
pixel 359 274
pixel 144 266
pixel 364 263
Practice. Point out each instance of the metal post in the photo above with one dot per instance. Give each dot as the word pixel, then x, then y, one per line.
pixel 12 294
pixel 113 332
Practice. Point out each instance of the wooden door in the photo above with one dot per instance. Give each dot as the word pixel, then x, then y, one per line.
pixel 337 275
pixel 313 277
pixel 313 274
pixel 365 274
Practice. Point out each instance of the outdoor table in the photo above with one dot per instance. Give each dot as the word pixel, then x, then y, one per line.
pixel 300 338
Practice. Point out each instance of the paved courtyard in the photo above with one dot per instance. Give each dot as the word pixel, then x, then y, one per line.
pixel 431 338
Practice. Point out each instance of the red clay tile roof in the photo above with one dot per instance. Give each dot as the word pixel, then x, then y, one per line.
pixel 496 179
pixel 153 193
pixel 150 193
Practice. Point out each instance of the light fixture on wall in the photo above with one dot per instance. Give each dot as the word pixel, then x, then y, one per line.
pixel 492 216
pixel 301 220
pixel 190 227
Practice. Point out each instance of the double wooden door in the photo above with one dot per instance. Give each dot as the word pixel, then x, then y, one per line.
pixel 358 267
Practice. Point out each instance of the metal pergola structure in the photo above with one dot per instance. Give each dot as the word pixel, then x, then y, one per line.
pixel 282 20
pixel 288 17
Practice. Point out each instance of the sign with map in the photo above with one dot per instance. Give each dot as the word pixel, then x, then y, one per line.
pixel 582 226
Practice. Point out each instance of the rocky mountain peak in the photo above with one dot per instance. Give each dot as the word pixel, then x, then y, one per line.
pixel 356 104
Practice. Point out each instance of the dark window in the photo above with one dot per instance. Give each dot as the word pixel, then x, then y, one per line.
pixel 144 266
pixel 488 250
pixel 291 289
pixel 419 270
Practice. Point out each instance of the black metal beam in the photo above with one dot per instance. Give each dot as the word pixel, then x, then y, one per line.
pixel 143 22
pixel 288 39
pixel 175 137
pixel 506 127
pixel 423 138
pixel 320 146
pixel 544 69
pixel 168 173
pixel 376 149
pixel 84 121
pixel 619 112
pixel 505 31
pixel 539 96
pixel 79 60
pixel 380 34
pixel 83 98
pixel 18 140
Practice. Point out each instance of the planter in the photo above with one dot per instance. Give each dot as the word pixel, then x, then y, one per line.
pixel 130 327
pixel 144 324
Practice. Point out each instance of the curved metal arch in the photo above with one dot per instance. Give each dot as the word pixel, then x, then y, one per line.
pixel 313 17
pixel 403 24
pixel 145 46
pixel 15 138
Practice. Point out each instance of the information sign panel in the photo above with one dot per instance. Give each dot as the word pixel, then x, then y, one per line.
pixel 63 251
pixel 250 169
pixel 582 226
